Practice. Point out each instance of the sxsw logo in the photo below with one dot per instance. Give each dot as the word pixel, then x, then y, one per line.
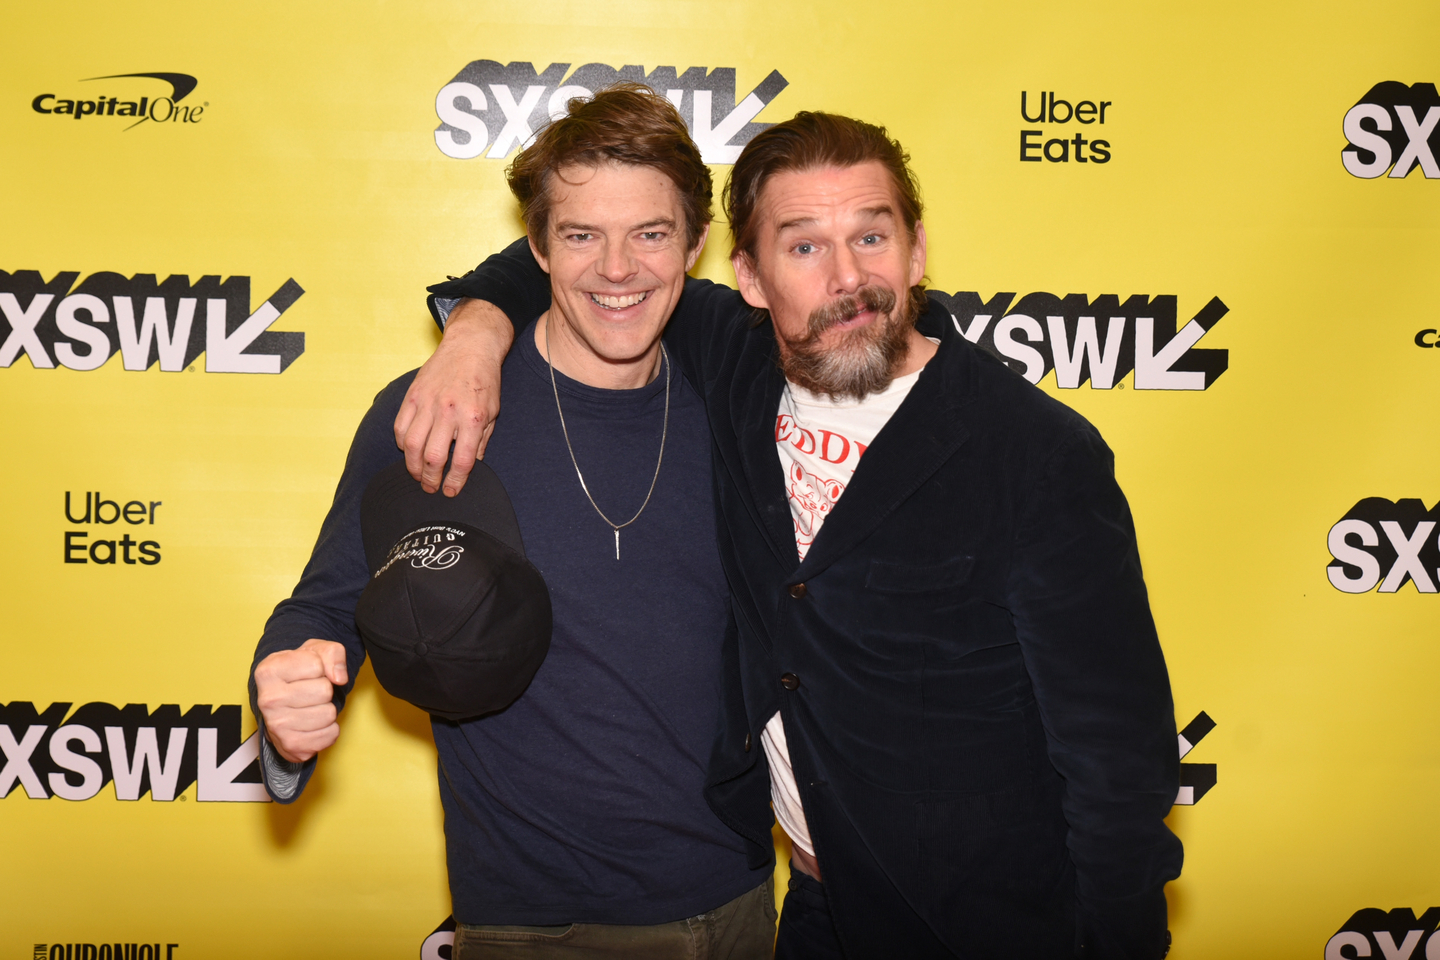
pixel 500 107
pixel 1378 538
pixel 440 944
pixel 147 322
pixel 1196 779
pixel 57 753
pixel 1396 935
pixel 1395 128
pixel 1100 341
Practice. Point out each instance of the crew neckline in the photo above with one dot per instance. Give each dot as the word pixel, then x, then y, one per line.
pixel 569 386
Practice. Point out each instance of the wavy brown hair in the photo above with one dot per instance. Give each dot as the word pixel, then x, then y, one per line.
pixel 625 123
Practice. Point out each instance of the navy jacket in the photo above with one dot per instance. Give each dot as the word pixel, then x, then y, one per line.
pixel 982 732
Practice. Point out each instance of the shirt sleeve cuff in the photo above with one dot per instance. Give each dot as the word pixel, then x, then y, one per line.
pixel 282 776
pixel 443 306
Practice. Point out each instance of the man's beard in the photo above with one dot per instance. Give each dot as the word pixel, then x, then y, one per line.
pixel 860 361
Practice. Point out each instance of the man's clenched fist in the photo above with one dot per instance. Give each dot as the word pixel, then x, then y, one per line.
pixel 294 690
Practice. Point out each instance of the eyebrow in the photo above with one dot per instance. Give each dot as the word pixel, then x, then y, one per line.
pixel 565 225
pixel 883 210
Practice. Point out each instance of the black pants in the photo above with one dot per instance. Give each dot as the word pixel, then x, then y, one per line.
pixel 806 930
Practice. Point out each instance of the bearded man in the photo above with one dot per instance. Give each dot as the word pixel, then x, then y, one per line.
pixel 946 655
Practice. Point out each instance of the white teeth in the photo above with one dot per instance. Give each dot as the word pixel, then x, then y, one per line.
pixel 619 303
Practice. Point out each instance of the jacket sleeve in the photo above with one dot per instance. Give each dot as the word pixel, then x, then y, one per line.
pixel 1083 619
pixel 511 279
pixel 708 318
pixel 323 602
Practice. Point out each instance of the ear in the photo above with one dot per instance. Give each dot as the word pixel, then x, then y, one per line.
pixel 797 472
pixel 540 258
pixel 699 245
pixel 917 255
pixel 748 281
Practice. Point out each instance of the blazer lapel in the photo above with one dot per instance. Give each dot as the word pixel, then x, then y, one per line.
pixel 924 432
pixel 756 403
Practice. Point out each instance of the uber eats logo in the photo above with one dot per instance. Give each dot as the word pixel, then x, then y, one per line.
pixel 1385 543
pixel 74 755
pixel 1394 128
pixel 1053 143
pixel 1100 340
pixel 147 322
pixel 141 98
pixel 493 109
pixel 1396 935
pixel 126 549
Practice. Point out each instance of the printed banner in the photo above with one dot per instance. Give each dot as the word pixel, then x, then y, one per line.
pixel 1211 231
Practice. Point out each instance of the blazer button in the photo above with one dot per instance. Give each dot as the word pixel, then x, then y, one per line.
pixel 747 743
pixel 798 591
pixel 789 681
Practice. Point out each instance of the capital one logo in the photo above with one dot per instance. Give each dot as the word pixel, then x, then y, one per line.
pixel 1394 128
pixel 1099 341
pixel 493 109
pixel 57 753
pixel 1396 935
pixel 1385 543
pixel 147 322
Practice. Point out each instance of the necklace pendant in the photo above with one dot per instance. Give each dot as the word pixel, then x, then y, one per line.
pixel 617 544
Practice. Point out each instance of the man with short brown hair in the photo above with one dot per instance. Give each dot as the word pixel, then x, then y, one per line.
pixel 575 818
pixel 945 648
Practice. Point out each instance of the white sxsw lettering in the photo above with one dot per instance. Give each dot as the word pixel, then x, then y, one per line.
pixel 1341 550
pixel 714 141
pixel 22 330
pixel 216 781
pixel 17 761
pixel 1152 370
pixel 223 354
pixel 453 116
pixel 164 771
pixel 90 773
pixel 75 329
pixel 155 325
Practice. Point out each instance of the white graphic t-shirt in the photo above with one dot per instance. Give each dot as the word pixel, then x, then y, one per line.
pixel 821 442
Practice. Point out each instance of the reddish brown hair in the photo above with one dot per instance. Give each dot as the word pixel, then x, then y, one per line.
pixel 810 140
pixel 628 123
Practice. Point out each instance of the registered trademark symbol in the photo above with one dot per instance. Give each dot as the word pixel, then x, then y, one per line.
pixel 1119 386
pixel 183 797
pixel 190 369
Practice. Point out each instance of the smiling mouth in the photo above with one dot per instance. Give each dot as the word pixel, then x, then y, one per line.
pixel 618 303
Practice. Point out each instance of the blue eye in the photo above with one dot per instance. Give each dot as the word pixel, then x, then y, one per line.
pixel 872 239
pixel 803 248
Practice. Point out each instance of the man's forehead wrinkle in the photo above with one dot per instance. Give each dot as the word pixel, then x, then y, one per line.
pixel 806 211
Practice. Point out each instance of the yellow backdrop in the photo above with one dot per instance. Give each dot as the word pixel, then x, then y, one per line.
pixel 283 170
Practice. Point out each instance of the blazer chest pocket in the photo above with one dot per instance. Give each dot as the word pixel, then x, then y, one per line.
pixel 887 577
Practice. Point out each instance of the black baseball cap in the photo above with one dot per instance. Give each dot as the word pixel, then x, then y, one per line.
pixel 454 618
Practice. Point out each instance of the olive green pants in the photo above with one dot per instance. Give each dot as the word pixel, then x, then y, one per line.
pixel 743 929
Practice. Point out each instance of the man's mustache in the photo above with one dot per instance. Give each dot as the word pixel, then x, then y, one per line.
pixel 848 307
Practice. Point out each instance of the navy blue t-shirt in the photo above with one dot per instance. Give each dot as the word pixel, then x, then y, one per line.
pixel 582 801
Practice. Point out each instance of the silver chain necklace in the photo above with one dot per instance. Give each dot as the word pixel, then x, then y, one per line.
pixel 664 430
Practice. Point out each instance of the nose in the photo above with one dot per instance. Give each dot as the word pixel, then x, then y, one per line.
pixel 847 273
pixel 616 263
